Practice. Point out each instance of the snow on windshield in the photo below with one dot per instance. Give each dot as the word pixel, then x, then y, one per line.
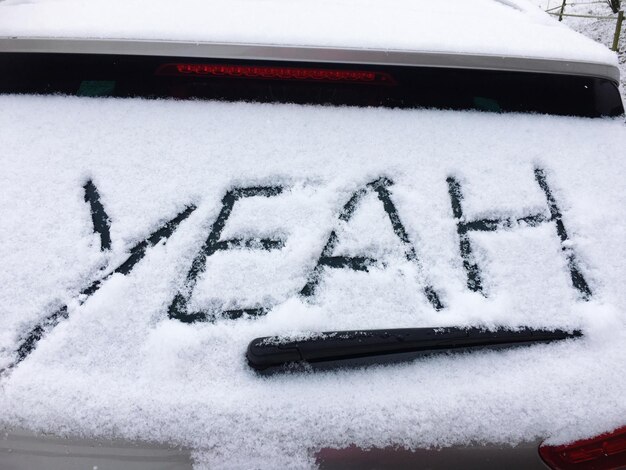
pixel 511 27
pixel 265 187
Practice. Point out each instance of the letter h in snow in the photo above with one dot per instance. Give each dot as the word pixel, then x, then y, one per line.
pixel 464 227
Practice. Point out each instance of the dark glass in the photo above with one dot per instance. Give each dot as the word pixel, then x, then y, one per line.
pixel 415 87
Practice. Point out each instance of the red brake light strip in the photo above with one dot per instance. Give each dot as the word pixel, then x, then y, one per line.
pixel 270 72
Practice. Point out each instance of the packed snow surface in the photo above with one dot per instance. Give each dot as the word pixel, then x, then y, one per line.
pixel 499 27
pixel 119 366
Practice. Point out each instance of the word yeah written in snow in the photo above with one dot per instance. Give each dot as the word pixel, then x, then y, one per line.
pixel 178 308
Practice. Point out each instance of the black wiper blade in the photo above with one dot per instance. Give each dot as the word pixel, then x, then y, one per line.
pixel 348 348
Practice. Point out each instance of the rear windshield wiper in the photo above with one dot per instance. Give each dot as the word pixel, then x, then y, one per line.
pixel 349 348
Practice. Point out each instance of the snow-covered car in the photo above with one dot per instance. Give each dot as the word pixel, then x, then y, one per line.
pixel 289 234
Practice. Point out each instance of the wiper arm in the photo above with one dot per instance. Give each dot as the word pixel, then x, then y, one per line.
pixel 348 348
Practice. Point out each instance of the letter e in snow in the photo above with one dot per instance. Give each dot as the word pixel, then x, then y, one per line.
pixel 178 308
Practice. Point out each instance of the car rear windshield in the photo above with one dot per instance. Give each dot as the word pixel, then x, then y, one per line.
pixel 308 83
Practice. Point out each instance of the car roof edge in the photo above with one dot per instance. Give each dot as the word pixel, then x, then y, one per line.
pixel 294 53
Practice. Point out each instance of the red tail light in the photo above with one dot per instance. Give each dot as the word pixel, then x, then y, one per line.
pixel 604 452
pixel 268 72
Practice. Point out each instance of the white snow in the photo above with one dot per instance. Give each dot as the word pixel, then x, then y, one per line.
pixel 119 366
pixel 504 28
